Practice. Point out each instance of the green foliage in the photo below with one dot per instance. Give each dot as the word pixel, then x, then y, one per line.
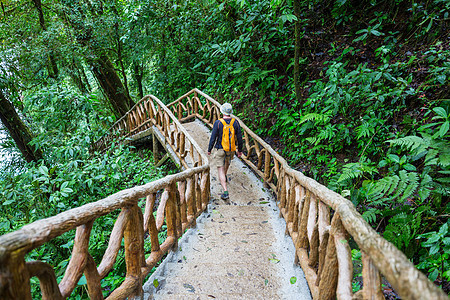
pixel 402 231
pixel 70 176
pixel 436 261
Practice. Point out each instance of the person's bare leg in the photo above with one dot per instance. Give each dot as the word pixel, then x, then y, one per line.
pixel 222 178
pixel 226 166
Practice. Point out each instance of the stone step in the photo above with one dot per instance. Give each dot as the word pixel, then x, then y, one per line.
pixel 251 286
pixel 234 296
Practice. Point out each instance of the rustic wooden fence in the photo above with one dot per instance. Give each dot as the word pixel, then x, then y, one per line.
pixel 184 196
pixel 320 222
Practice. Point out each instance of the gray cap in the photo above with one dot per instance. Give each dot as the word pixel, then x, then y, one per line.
pixel 226 109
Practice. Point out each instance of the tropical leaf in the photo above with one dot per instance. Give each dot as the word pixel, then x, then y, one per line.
pixel 318 118
pixel 413 143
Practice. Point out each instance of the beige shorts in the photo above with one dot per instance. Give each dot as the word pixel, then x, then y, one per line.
pixel 221 157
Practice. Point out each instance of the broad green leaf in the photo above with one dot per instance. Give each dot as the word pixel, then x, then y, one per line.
pixel 433 275
pixel 444 129
pixel 82 280
pixel 443 230
pixel 440 112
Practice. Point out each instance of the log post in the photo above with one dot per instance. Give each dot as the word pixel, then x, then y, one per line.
pixel 344 257
pixel 93 280
pixel 155 148
pixel 329 273
pixel 371 279
pixel 47 279
pixel 204 187
pixel 15 279
pixel 194 99
pixel 179 223
pixel 151 225
pixel 78 261
pixel 198 194
pixel 267 167
pixel 183 203
pixel 303 227
pixel 114 245
pixel 171 217
pixel 133 238
pixel 190 198
pixel 283 192
pixel 322 254
pixel 314 247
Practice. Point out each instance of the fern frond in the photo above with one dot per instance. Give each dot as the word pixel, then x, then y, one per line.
pixel 444 155
pixel 370 215
pixel 313 140
pixel 318 118
pixel 424 191
pixel 350 171
pixel 386 185
pixel 413 143
pixel 412 185
pixel 364 130
pixel 401 185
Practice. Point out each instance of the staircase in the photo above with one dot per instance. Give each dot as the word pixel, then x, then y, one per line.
pixel 240 249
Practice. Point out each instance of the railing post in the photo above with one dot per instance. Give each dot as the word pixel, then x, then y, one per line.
pixel 134 246
pixel 171 215
pixel 14 272
pixel 195 103
pixel 266 168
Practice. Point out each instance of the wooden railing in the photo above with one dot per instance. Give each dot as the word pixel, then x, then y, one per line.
pixel 185 195
pixel 321 223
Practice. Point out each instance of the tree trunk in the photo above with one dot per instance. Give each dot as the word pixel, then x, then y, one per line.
pixel 78 77
pixel 138 75
pixel 18 130
pixel 101 66
pixel 52 67
pixel 298 37
pixel 104 72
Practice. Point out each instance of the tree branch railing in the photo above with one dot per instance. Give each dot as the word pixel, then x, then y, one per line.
pixel 320 222
pixel 185 195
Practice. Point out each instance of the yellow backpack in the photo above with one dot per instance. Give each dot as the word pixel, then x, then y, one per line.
pixel 228 137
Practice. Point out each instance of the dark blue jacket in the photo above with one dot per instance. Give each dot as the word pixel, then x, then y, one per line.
pixel 216 135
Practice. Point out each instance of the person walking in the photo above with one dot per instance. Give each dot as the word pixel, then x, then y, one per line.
pixel 225 134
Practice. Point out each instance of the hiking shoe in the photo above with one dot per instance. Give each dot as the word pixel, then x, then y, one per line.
pixel 225 196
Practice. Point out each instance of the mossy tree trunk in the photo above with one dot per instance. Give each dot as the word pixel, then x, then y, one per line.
pixel 18 130
pixel 101 66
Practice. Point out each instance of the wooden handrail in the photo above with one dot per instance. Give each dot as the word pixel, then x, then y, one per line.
pixel 185 196
pixel 320 221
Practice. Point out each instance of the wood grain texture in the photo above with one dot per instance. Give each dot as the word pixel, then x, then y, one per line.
pixel 47 279
pixel 78 261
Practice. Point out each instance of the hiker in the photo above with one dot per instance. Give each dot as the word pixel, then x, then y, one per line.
pixel 225 133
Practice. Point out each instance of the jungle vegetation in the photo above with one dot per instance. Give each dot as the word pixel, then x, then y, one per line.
pixel 355 94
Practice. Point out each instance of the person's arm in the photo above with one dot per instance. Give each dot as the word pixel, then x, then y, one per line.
pixel 240 142
pixel 213 138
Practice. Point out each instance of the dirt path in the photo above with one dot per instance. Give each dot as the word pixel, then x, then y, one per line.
pixel 238 249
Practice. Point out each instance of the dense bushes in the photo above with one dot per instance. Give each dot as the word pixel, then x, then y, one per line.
pixel 69 177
